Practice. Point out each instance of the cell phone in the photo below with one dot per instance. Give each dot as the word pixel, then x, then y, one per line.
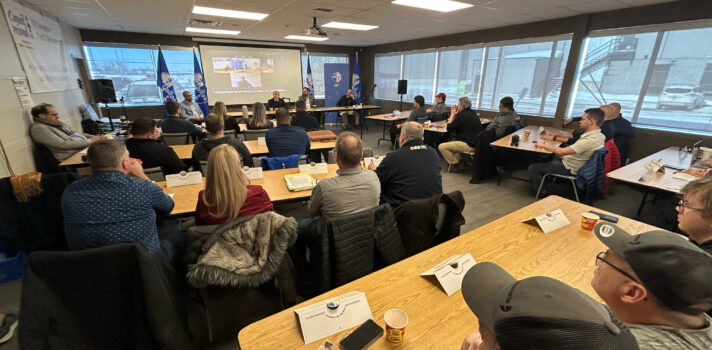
pixel 606 217
pixel 362 337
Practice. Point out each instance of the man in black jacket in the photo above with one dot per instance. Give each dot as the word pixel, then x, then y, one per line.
pixel 465 124
pixel 143 145
pixel 411 172
pixel 216 127
pixel 276 101
pixel 174 123
pixel 304 120
pixel 348 101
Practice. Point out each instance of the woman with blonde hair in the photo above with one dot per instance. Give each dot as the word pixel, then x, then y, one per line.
pixel 228 194
pixel 221 111
pixel 259 117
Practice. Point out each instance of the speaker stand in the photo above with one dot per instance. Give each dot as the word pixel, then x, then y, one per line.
pixel 108 115
pixel 401 103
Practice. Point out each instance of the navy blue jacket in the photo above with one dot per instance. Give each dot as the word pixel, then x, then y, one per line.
pixel 286 139
pixel 411 172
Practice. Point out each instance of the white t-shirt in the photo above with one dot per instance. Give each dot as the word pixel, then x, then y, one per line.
pixel 662 337
pixel 584 147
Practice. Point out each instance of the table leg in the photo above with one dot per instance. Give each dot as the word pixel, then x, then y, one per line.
pixel 642 202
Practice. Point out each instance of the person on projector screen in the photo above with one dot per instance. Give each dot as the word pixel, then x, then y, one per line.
pixel 244 84
pixel 276 101
pixel 307 98
pixel 348 101
pixel 190 110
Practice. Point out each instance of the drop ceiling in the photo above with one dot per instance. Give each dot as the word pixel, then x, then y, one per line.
pixel 396 23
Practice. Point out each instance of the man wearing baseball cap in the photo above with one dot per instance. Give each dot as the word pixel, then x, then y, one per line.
pixel 659 284
pixel 537 313
pixel 439 107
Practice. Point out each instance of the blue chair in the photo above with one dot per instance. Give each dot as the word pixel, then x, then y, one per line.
pixel 273 163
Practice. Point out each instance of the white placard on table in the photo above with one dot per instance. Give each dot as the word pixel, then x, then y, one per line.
pixel 542 131
pixel 550 221
pixel 261 141
pixel 171 195
pixel 182 179
pixel 375 160
pixel 253 173
pixel 314 168
pixel 450 272
pixel 333 315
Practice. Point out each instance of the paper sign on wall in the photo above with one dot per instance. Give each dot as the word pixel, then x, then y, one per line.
pixel 550 221
pixel 333 315
pixel 23 92
pixel 450 272
pixel 315 168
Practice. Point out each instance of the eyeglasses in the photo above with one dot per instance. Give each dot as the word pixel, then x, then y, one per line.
pixel 683 204
pixel 599 257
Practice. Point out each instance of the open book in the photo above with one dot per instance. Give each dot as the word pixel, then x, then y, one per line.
pixel 299 182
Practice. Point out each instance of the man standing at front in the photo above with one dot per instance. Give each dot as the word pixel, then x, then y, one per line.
pixel 117 203
pixel 190 110
pixel 569 160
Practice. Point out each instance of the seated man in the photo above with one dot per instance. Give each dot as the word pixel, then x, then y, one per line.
pixel 144 146
pixel 174 123
pixel 659 284
pixel 622 131
pixel 607 128
pixel 117 203
pixel 570 159
pixel 465 124
pixel 307 98
pixel 504 119
pixel 304 120
pixel 694 212
pixel 411 172
pixel 416 114
pixel 190 110
pixel 216 130
pixel 286 139
pixel 59 138
pixel 439 107
pixel 348 101
pixel 537 313
pixel 276 101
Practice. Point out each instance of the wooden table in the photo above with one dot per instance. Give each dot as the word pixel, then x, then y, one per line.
pixel 528 144
pixel 261 150
pixel 387 118
pixel 437 321
pixel 441 126
pixel 186 197
pixel 318 110
pixel 75 159
pixel 632 172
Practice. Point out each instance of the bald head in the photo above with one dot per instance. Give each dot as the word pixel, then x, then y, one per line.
pixel 283 116
pixel 616 107
pixel 608 112
pixel 348 150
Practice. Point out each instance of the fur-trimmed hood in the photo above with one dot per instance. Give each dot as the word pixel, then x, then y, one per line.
pixel 244 252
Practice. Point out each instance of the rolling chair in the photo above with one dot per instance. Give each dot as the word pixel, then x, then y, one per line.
pixel 175 138
pixel 253 135
pixel 155 174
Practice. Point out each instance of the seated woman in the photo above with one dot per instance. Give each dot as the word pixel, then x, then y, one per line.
pixel 221 111
pixel 228 194
pixel 259 118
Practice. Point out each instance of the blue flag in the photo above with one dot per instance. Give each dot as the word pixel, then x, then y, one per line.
pixel 310 79
pixel 356 82
pixel 163 79
pixel 201 92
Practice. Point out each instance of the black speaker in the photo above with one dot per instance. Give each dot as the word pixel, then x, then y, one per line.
pixel 103 90
pixel 402 87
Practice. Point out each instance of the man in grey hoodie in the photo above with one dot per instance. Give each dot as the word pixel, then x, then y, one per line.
pixel 504 118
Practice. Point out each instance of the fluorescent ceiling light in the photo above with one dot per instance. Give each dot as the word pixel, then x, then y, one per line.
pixel 353 26
pixel 212 11
pixel 212 31
pixel 435 5
pixel 304 37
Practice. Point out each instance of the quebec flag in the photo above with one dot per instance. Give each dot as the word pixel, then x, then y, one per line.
pixel 356 82
pixel 310 79
pixel 201 91
pixel 164 80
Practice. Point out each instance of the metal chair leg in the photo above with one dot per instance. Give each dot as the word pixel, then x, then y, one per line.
pixel 573 184
pixel 541 184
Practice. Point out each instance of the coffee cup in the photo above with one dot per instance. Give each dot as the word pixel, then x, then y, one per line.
pixel 396 320
pixel 526 134
pixel 588 221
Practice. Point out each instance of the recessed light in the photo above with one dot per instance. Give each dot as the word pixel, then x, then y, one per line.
pixel 353 26
pixel 435 5
pixel 303 37
pixel 212 31
pixel 212 11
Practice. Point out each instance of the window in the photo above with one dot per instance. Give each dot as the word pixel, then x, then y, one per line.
pixel 386 73
pixel 459 74
pixel 419 71
pixel 133 70
pixel 317 66
pixel 660 78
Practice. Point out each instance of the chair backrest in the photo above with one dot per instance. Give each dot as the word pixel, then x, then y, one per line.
pixel 252 135
pixel 204 167
pixel 273 163
pixel 175 138
pixel 45 162
pixel 155 174
pixel 442 211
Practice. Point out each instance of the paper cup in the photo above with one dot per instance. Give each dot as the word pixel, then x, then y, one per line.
pixel 526 134
pixel 706 153
pixel 588 221
pixel 396 320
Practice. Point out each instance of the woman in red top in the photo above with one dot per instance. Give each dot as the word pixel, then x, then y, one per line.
pixel 228 194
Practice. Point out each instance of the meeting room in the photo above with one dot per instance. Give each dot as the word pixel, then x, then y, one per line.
pixel 380 174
